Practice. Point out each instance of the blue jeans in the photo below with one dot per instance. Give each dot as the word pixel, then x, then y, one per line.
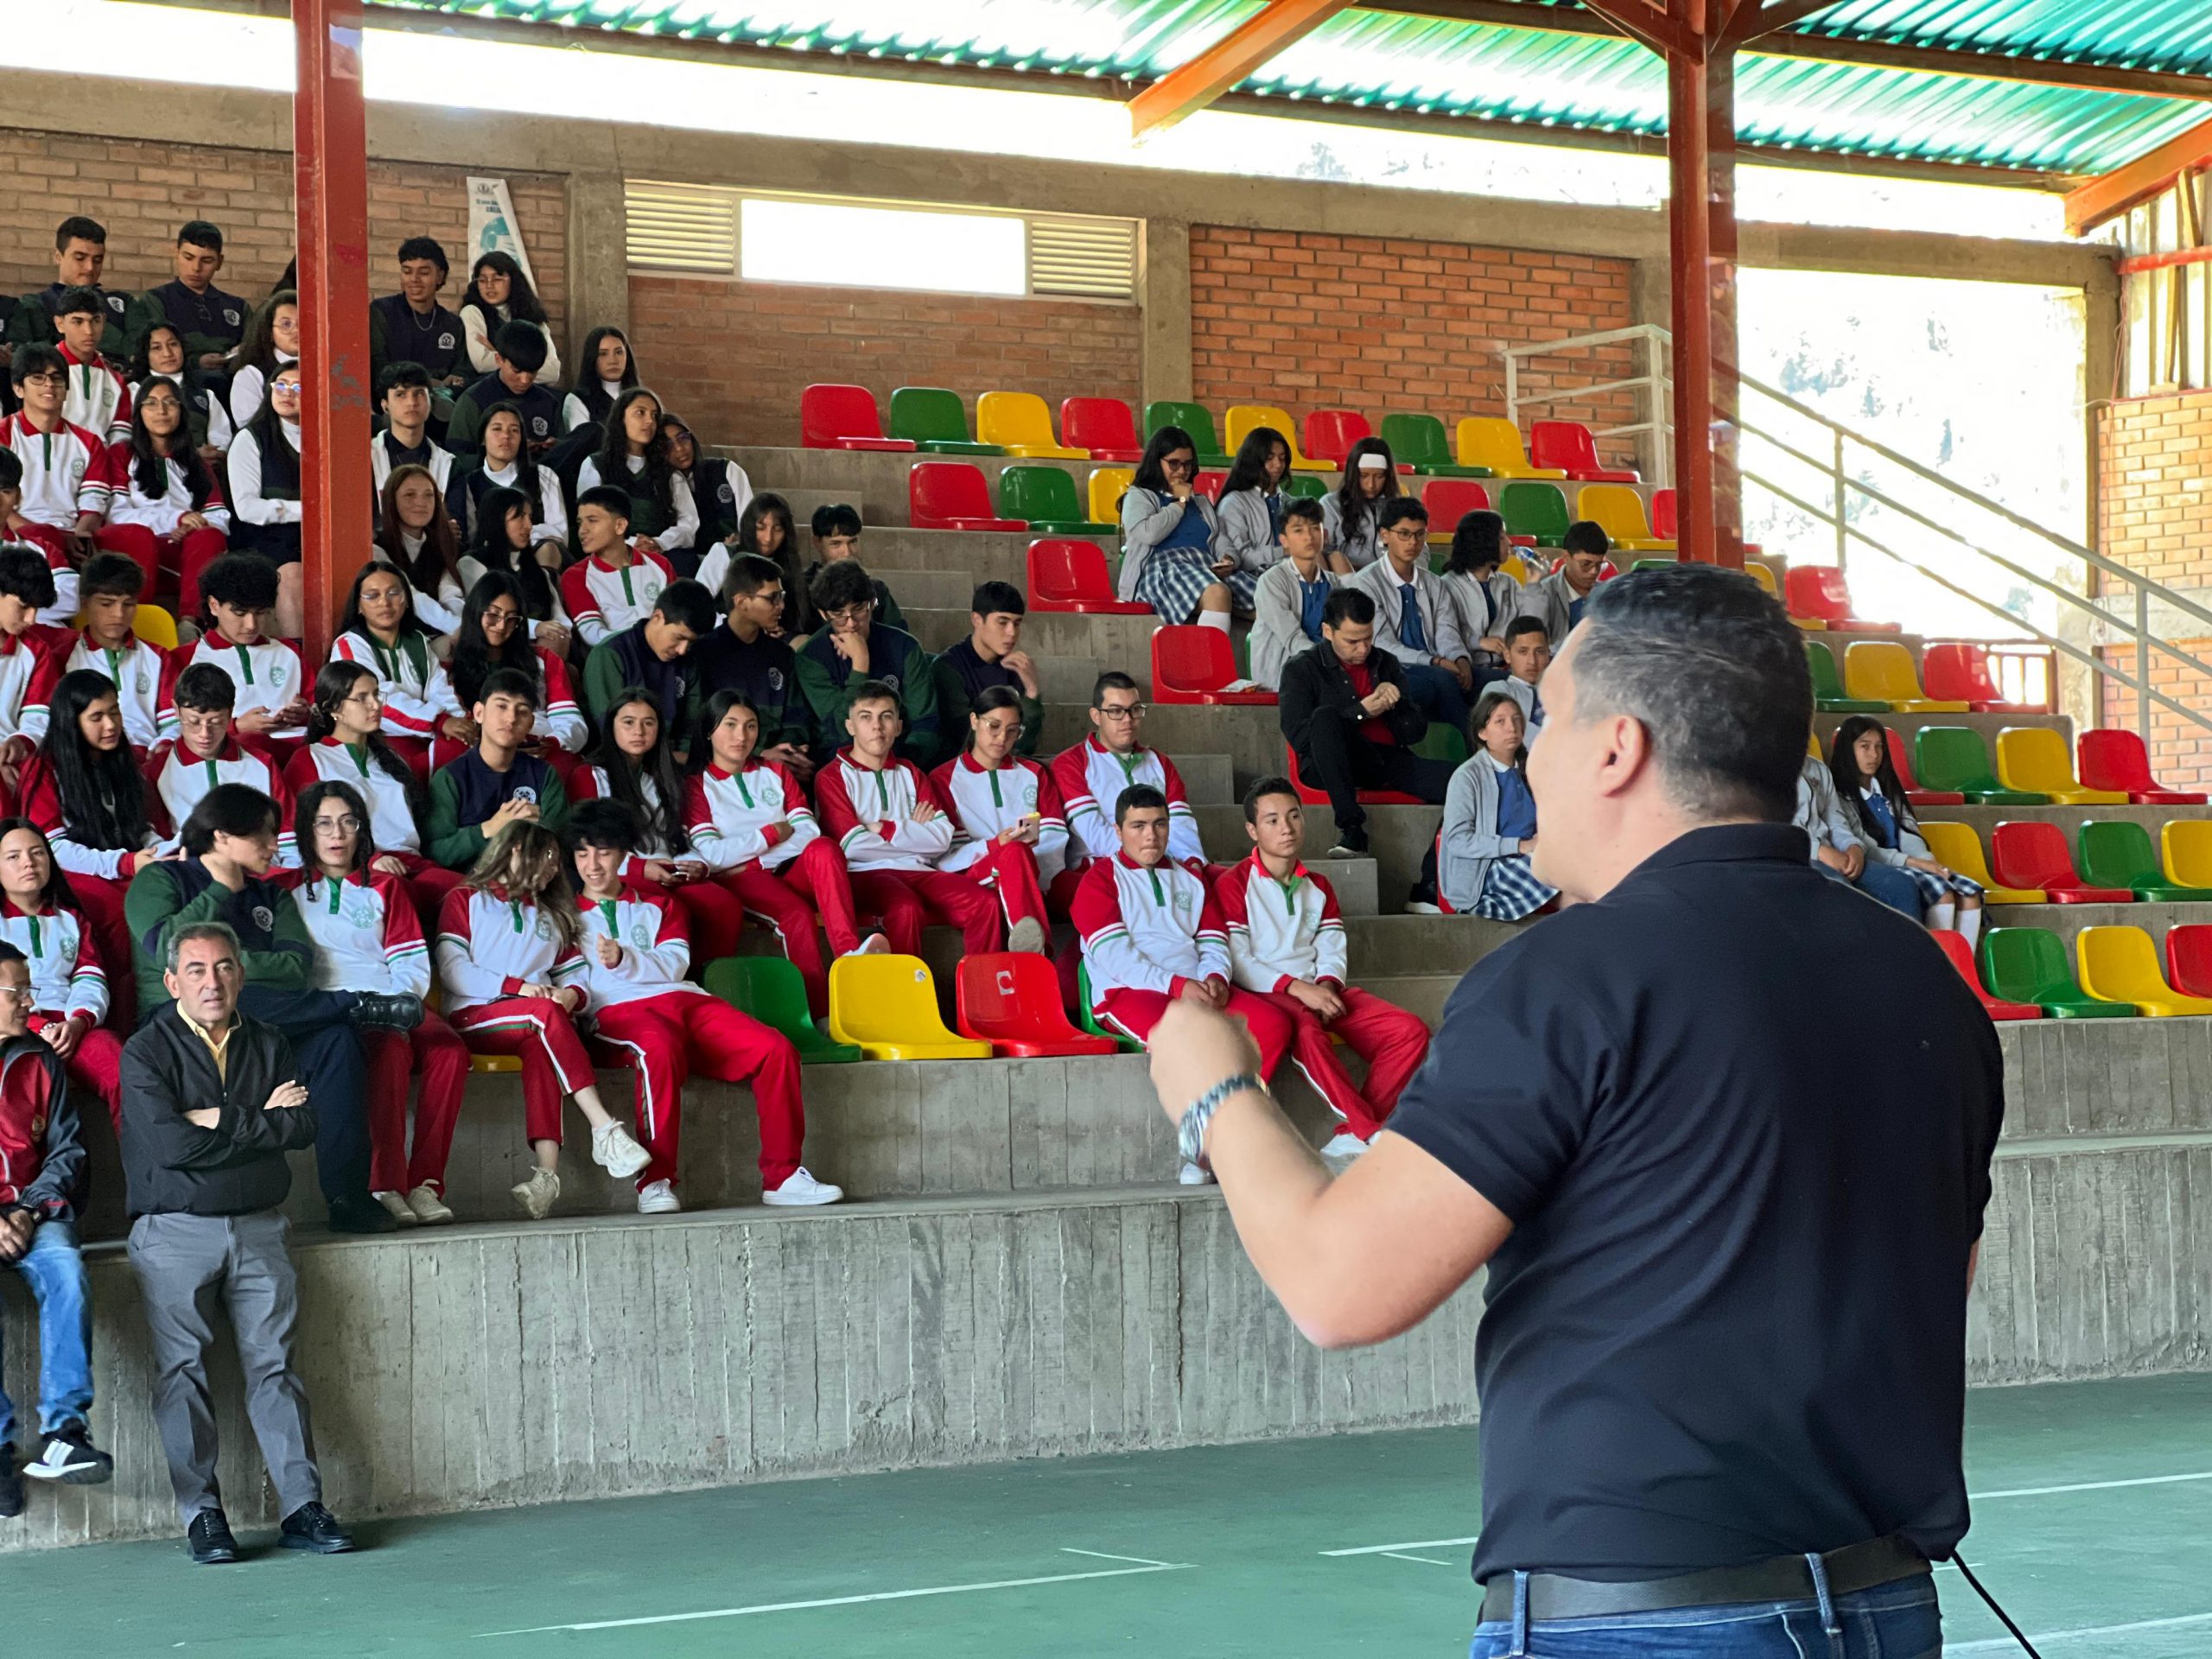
pixel 1892 887
pixel 1435 691
pixel 56 1273
pixel 1895 1621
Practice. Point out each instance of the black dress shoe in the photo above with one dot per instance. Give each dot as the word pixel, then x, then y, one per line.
pixel 11 1485
pixel 209 1539
pixel 378 1012
pixel 360 1215
pixel 312 1528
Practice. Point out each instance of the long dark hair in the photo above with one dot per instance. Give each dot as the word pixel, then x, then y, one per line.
pixel 256 348
pixel 535 591
pixel 1352 507
pixel 711 715
pixel 472 659
pixel 613 457
pixel 304 811
pixel 786 558
pixel 56 894
pixel 1149 474
pixel 1476 540
pixel 586 385
pixel 351 621
pixel 1485 706
pixel 1843 766
pixel 523 305
pixel 625 776
pixel 989 701
pixel 440 553
pixel 148 466
pixel 527 479
pixel 540 851
pixel 103 792
pixel 1249 470
pixel 332 685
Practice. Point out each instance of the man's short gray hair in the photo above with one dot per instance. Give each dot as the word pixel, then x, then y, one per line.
pixel 222 932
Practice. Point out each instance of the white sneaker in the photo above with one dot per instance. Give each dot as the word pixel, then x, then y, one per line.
pixel 874 946
pixel 397 1205
pixel 658 1198
pixel 1417 907
pixel 800 1187
pixel 1193 1175
pixel 615 1151
pixel 537 1195
pixel 429 1208
pixel 1342 1149
pixel 1026 935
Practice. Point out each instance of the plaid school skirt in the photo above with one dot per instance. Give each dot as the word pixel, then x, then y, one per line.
pixel 1173 579
pixel 1942 889
pixel 1510 890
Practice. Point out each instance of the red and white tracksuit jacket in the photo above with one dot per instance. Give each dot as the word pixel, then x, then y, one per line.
pixel 985 804
pixel 265 675
pixel 897 876
pixel 67 979
pixel 99 398
pixel 180 777
pixel 66 473
pixel 21 655
pixel 1143 929
pixel 1091 776
pixel 852 801
pixel 40 800
pixel 392 827
pixel 133 505
pixel 488 948
pixel 410 679
pixel 365 932
pixel 145 685
pixel 604 600
pixel 30 1102
pixel 562 719
pixel 758 816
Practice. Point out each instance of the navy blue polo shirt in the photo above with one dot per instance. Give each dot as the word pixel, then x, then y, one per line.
pixel 1741 1117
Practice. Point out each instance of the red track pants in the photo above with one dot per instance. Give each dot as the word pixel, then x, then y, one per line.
pixel 188 554
pixel 428 885
pixel 433 1049
pixel 554 1062
pixel 1393 1042
pixel 96 1065
pixel 666 1036
pixel 970 900
pixel 788 899
pixel 101 901
pixel 1138 1012
pixel 713 915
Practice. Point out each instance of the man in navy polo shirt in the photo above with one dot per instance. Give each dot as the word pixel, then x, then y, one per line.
pixel 1722 1359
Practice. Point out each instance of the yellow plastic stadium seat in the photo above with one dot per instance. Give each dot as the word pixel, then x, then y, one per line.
pixel 1521 569
pixel 1955 846
pixel 2034 758
pixel 1762 575
pixel 1241 418
pixel 1108 486
pixel 888 1006
pixel 1019 423
pixel 1617 509
pixel 2121 965
pixel 1493 441
pixel 2185 848
pixel 1882 670
pixel 156 626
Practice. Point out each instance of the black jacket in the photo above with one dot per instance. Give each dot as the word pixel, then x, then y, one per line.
pixel 172 1167
pixel 1316 687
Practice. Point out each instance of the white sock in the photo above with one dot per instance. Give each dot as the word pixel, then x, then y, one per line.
pixel 1214 620
pixel 1970 925
pixel 1939 916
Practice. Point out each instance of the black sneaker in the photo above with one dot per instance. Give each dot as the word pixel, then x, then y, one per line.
pixel 312 1528
pixel 11 1485
pixel 72 1459
pixel 208 1540
pixel 361 1214
pixel 376 1012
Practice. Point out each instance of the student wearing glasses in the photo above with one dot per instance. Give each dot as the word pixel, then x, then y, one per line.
pixel 1092 776
pixel 1169 558
pixel 265 509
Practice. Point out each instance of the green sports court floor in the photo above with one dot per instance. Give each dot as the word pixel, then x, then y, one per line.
pixel 2092 1524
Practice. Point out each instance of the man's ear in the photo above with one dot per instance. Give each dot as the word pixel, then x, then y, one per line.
pixel 1627 755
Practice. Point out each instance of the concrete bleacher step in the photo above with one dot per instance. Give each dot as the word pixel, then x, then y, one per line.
pixel 2069 818
pixel 1987 725
pixel 2068 920
pixel 986 556
pixel 1250 734
pixel 1123 642
pixel 1398 838
pixel 878 475
pixel 802 504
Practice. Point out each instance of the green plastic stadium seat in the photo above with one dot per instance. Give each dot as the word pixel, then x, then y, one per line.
pixel 1306 485
pixel 1419 441
pixel 1534 508
pixel 1194 419
pixel 1045 496
pixel 2119 855
pixel 1955 758
pixel 1442 741
pixel 770 989
pixel 1088 1022
pixel 2028 964
pixel 1828 686
pixel 933 418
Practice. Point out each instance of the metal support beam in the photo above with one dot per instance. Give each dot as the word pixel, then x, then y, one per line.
pixel 1191 86
pixel 2102 199
pixel 331 182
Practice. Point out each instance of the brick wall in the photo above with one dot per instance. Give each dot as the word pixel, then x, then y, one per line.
pixel 144 192
pixel 732 358
pixel 1305 320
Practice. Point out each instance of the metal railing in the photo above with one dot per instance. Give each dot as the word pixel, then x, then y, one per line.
pixel 1951 529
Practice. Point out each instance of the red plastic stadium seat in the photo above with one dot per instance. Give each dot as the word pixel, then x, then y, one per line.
pixel 2189 958
pixel 1961 670
pixel 1961 955
pixel 1913 791
pixel 1664 525
pixel 1070 576
pixel 1011 1000
pixel 2117 760
pixel 1190 663
pixel 842 417
pixel 1209 485
pixel 952 495
pixel 2036 855
pixel 1568 445
pixel 1820 591
pixel 1330 432
pixel 1104 426
pixel 1313 797
pixel 1451 499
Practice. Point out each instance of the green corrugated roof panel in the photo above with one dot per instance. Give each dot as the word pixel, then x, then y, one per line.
pixel 1369 59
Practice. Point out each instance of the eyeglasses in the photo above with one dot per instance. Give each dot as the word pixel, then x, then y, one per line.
pixel 15 994
pixel 350 824
pixel 1125 711
pixel 61 380
pixel 1177 463
pixel 852 616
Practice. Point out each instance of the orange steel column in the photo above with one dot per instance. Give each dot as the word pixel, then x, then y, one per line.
pixel 1701 224
pixel 331 185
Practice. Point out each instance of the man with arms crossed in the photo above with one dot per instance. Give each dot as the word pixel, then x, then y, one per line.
pixel 1619 1117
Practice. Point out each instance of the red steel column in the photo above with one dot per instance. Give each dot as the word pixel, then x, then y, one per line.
pixel 1701 221
pixel 1720 294
pixel 331 183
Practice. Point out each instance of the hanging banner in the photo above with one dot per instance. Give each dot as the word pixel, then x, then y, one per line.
pixel 492 224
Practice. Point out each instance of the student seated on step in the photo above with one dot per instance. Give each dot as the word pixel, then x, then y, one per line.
pixel 209 323
pixel 411 327
pixel 1556 600
pixel 1169 558
pixel 1008 825
pixel 1250 509
pixel 854 647
pixel 835 531
pixel 204 753
pixel 382 633
pixel 494 634
pixel 1092 776
pixel 505 463
pixel 643 1013
pixel 100 392
pixel 1489 822
pixel 1346 714
pixel 634 458
pixel 403 395
pixel 1873 800
pixel 510 961
pixel 746 652
pixel 613 585
pixel 654 654
pixel 499 293
pixel 497 783
pixel 892 828
pixel 720 490
pixel 143 674
pixel 167 505
pixel 1286 943
pixel 991 657
pixel 1837 851
pixel 1152 932
pixel 25 588
pixel 556 431
pixel 79 259
pixel 269 689
pixel 1414 621
pixel 1483 596
pixel 58 481
pixel 266 511
pixel 763 529
pixel 1352 511
pixel 1288 601
pixel 69 995
pixel 1528 654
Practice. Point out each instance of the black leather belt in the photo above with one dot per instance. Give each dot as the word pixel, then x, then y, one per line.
pixel 1782 1577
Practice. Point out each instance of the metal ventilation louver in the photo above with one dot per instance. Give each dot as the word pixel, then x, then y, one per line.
pixel 1089 258
pixel 682 227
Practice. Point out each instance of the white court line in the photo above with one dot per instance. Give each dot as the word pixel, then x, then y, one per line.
pixel 1141 1560
pixel 1391 1549
pixel 1425 1560
pixel 1991 1644
pixel 855 1601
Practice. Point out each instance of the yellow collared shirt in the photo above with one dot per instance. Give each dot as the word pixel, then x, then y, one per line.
pixel 218 1042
